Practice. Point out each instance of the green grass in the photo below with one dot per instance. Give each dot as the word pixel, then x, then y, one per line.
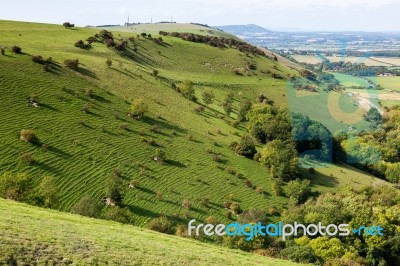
pixel 389 83
pixel 84 148
pixel 351 81
pixel 32 235
pixel 155 28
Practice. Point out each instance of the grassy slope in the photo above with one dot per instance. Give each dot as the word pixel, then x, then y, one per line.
pixel 82 155
pixel 62 238
pixel 155 28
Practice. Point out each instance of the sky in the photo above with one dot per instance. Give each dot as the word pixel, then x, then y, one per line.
pixel 280 15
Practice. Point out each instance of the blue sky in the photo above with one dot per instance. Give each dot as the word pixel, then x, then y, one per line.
pixel 334 15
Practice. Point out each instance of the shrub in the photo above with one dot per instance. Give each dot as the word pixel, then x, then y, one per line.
pixel 205 202
pixel 117 214
pixel 187 90
pixel 3 52
pixel 211 220
pixel 199 109
pixel 155 128
pixel 186 204
pixel 227 106
pixel 134 183
pixel 208 97
pixel 87 206
pixel 235 208
pixel 231 170
pixel 108 62
pixel 46 67
pixel 138 108
pixel 15 186
pixel 311 170
pixel 298 190
pixel 16 49
pixel 68 25
pixel 247 183
pixel 113 190
pixel 85 108
pixel 37 59
pixel 246 146
pixel 81 44
pixel 155 72
pixel 28 136
pixel 260 190
pixel 159 156
pixel 217 158
pixel 71 63
pixel 49 191
pixel 143 34
pixel 161 224
pixel 181 231
pixel 277 186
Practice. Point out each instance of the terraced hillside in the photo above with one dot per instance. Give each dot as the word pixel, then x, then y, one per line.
pixel 82 120
pixel 27 232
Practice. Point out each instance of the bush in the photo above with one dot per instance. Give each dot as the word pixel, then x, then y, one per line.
pixel 49 191
pixel 260 190
pixel 227 106
pixel 205 202
pixel 87 206
pixel 155 72
pixel 247 183
pixel 71 63
pixel 3 52
pixel 159 195
pixel 298 190
pixel 81 44
pixel 117 214
pixel 246 146
pixel 108 62
pixel 161 224
pixel 186 204
pixel 139 108
pixel 28 136
pixel 124 126
pixel 37 59
pixel 159 156
pixel 68 25
pixel 114 189
pixel 16 49
pixel 277 186
pixel 187 90
pixel 89 92
pixel 208 97
pixel 15 186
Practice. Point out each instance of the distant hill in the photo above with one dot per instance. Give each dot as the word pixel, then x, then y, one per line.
pixel 244 31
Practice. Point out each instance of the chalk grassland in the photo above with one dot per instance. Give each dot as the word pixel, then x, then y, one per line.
pixel 46 237
pixel 84 148
pixel 155 28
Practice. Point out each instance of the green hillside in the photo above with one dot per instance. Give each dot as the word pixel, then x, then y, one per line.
pixel 155 28
pixel 32 235
pixel 84 148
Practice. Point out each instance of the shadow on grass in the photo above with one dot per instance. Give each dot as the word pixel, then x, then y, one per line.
pixel 175 163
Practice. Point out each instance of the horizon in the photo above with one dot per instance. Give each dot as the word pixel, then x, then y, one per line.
pixel 307 16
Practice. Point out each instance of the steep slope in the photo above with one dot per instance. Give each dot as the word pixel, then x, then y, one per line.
pixel 28 231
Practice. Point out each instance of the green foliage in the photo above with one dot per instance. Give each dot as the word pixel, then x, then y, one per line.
pixel 298 190
pixel 227 106
pixel 300 254
pixel 87 206
pixel 28 136
pixel 139 108
pixel 244 108
pixel 277 186
pixel 161 224
pixel 49 191
pixel 15 186
pixel 117 214
pixel 281 158
pixel 109 62
pixel 187 90
pixel 393 172
pixel 114 190
pixel 71 63
pixel 246 146
pixel 208 97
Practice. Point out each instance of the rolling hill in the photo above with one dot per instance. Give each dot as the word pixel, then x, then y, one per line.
pixel 32 235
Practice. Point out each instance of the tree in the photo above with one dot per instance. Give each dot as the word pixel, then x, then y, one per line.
pixel 71 63
pixel 161 224
pixel 113 190
pixel 121 215
pixel 208 97
pixel 49 191
pixel 15 186
pixel 246 146
pixel 139 108
pixel 28 136
pixel 188 90
pixel 16 49
pixel 243 110
pixel 108 62
pixel 281 157
pixel 393 172
pixel 227 106
pixel 87 206
pixel 68 25
pixel 298 190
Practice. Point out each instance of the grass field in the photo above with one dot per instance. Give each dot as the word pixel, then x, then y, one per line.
pixel 389 83
pixel 351 81
pixel 155 28
pixel 34 236
pixel 368 61
pixel 84 148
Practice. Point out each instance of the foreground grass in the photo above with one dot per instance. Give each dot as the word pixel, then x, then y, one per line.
pixel 31 235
